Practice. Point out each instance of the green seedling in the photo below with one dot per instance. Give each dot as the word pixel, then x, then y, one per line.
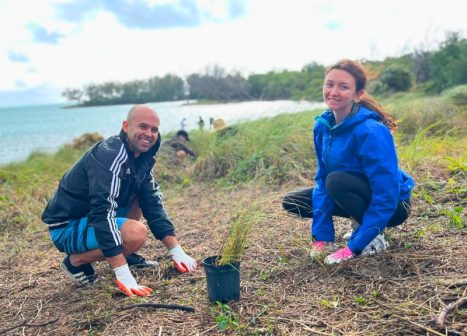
pixel 454 216
pixel 361 300
pixel 225 317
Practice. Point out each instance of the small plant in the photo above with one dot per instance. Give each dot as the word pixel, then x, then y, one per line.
pixel 361 300
pixel 242 225
pixel 425 196
pixel 420 233
pixel 333 303
pixel 436 227
pixel 283 259
pixel 455 218
pixel 225 317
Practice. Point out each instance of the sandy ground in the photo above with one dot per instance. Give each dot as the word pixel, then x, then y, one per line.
pixel 398 292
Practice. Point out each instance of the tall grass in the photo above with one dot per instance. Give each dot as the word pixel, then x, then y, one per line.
pixel 270 150
pixel 441 150
pixel 434 116
pixel 25 188
pixel 241 227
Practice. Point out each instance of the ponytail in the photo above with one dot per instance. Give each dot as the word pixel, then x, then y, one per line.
pixel 371 103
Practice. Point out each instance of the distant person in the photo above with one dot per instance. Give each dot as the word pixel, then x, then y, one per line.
pixel 175 149
pixel 95 214
pixel 200 123
pixel 183 124
pixel 211 122
pixel 357 174
pixel 222 129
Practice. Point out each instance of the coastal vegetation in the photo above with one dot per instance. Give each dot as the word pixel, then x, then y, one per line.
pixel 399 292
pixel 426 71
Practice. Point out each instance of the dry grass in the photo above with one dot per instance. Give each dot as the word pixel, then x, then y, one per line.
pixel 283 292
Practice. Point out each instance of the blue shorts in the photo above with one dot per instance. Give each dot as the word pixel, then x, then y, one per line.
pixel 78 237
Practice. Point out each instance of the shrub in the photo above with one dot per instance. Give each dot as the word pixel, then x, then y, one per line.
pixel 396 78
pixel 377 88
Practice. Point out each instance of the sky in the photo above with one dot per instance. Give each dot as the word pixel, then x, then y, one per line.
pixel 47 46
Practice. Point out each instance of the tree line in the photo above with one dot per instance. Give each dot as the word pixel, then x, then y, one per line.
pixel 427 71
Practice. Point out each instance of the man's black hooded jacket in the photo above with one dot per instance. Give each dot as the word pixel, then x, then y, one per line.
pixel 105 178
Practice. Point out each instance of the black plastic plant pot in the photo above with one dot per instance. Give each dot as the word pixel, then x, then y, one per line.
pixel 223 282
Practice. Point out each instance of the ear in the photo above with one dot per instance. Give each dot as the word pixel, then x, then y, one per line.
pixel 125 126
pixel 359 94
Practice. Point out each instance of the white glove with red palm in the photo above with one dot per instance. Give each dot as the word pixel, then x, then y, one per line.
pixel 127 283
pixel 182 261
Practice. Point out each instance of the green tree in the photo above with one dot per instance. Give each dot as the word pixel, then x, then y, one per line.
pixel 448 65
pixel 216 84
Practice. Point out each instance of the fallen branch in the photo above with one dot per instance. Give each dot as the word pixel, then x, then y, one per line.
pixel 419 325
pixel 454 283
pixel 446 310
pixel 156 306
pixel 27 287
pixel 27 324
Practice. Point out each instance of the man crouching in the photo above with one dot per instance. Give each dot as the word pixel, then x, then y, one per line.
pixel 95 214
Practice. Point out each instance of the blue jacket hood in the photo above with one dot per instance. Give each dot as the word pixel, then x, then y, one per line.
pixel 357 115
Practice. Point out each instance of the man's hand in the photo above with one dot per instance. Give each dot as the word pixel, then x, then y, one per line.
pixel 127 283
pixel 182 261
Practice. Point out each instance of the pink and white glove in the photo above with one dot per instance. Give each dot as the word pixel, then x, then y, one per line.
pixel 127 283
pixel 182 261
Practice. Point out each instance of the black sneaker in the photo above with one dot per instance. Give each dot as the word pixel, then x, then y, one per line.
pixel 138 261
pixel 83 274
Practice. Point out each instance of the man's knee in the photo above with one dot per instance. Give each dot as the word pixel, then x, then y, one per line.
pixel 134 235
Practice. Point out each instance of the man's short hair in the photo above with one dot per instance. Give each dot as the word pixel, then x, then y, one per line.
pixel 183 133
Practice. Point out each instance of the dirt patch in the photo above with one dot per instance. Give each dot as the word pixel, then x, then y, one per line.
pixel 283 292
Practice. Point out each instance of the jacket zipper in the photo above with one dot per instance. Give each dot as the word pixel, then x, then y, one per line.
pixel 327 151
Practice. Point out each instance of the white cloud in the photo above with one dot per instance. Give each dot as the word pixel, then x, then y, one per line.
pixel 279 34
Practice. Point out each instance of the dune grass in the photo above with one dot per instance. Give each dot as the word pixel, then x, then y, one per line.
pixel 25 188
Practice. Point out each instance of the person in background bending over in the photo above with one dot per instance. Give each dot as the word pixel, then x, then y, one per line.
pixel 358 175
pixel 95 214
pixel 175 150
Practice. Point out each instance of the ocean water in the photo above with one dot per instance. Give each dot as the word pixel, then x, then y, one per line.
pixel 46 128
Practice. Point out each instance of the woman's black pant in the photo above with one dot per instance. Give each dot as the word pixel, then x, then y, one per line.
pixel 351 194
